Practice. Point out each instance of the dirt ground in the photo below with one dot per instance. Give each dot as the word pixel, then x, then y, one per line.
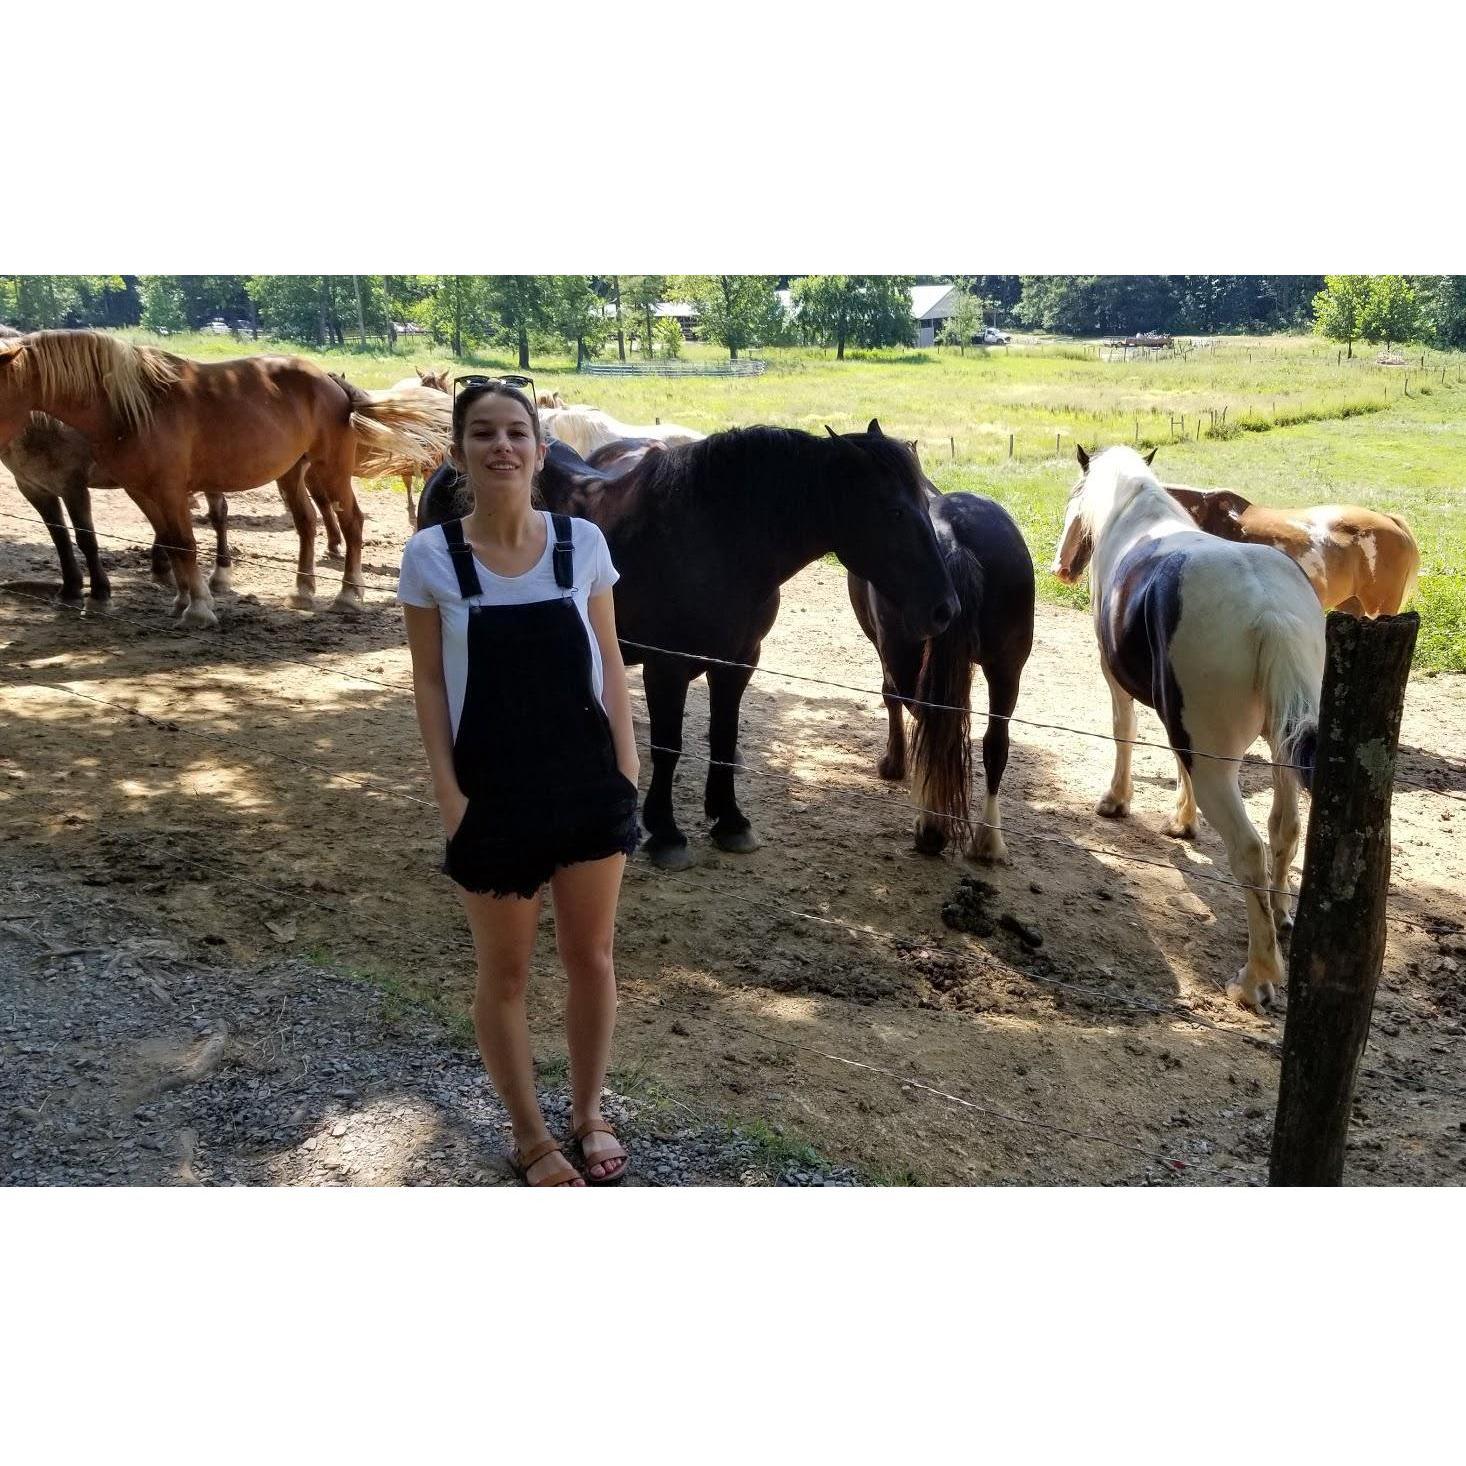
pixel 267 809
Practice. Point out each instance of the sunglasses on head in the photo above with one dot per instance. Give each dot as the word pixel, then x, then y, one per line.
pixel 509 379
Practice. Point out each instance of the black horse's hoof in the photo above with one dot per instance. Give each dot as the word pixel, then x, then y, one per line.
pixel 668 855
pixel 737 842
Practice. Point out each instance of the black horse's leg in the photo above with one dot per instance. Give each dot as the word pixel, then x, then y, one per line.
pixel 987 835
pixel 48 506
pixel 666 681
pixel 731 830
pixel 219 518
pixel 900 662
pixel 79 507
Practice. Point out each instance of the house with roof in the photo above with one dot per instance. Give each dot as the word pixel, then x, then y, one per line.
pixel 932 306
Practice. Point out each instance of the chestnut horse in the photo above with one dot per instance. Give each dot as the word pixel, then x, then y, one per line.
pixel 992 573
pixel 704 535
pixel 164 427
pixel 1356 560
pixel 1225 642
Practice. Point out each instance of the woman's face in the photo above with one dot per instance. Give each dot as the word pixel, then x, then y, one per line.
pixel 498 452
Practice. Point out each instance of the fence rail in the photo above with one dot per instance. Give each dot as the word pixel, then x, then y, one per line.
pixel 749 366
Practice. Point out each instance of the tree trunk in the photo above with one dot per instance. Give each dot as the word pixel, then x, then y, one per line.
pixel 1339 939
pixel 457 318
pixel 579 352
pixel 321 332
pixel 1350 352
pixel 620 329
pixel 360 313
pixel 523 349
pixel 840 347
pixel 648 350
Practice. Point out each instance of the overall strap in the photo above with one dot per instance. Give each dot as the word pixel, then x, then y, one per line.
pixel 564 552
pixel 468 582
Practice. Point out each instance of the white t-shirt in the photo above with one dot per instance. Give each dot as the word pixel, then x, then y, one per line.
pixel 428 579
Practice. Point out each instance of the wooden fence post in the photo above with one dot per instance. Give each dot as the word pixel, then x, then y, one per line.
pixel 1339 937
pixel 1010 445
pixel 953 442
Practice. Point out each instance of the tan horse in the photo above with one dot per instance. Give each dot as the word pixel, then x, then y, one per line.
pixel 54 465
pixel 164 427
pixel 1355 559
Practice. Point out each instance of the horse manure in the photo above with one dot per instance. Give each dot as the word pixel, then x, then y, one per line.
pixel 1030 936
pixel 965 910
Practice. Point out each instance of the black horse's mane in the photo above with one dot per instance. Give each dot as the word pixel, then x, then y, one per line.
pixel 752 470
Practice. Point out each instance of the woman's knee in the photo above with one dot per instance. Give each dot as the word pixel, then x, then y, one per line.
pixel 503 982
pixel 591 962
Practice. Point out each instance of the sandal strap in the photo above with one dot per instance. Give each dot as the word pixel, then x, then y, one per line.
pixel 537 1153
pixel 593 1127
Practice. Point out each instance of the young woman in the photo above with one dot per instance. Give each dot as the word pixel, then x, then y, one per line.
pixel 522 702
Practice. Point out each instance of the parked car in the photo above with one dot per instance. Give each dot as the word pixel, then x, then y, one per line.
pixel 991 336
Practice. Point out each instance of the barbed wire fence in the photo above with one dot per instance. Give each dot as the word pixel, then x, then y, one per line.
pixel 940 1089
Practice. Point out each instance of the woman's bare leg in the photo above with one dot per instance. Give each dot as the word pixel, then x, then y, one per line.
pixel 585 898
pixel 504 931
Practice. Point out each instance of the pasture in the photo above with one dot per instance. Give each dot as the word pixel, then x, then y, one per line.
pixel 812 989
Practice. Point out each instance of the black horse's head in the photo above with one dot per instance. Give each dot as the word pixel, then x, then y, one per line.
pixel 883 529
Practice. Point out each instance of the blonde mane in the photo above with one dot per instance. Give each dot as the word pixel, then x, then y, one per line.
pixel 80 366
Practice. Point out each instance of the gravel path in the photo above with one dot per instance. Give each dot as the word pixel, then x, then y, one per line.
pixel 128 1060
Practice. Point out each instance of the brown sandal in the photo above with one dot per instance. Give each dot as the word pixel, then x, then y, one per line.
pixel 599 1127
pixel 521 1162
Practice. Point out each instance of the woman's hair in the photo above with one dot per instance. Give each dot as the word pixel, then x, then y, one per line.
pixel 471 394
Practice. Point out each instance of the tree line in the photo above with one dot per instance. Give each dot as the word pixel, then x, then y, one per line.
pixel 597 315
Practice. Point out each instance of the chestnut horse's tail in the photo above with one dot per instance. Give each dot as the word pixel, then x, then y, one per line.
pixel 942 749
pixel 401 430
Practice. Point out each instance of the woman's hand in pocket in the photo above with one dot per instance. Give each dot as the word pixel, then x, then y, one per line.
pixel 452 807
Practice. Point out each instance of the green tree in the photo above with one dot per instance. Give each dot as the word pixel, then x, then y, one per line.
pixel 642 294
pixel 577 312
pixel 522 306
pixel 736 311
pixel 163 309
pixel 860 310
pixel 1338 309
pixel 966 319
pixel 1391 311
pixel 1443 308
pixel 669 338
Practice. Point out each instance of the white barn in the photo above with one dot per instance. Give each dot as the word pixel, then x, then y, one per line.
pixel 931 308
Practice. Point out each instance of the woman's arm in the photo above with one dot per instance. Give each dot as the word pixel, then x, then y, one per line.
pixel 430 692
pixel 618 698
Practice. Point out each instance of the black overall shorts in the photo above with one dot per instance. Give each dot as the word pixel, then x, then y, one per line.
pixel 534 752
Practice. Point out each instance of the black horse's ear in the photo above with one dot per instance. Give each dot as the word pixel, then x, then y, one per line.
pixel 875 429
pixel 1149 457
pixel 831 431
pixel 1082 456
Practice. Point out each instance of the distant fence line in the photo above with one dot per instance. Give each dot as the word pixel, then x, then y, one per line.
pixel 749 366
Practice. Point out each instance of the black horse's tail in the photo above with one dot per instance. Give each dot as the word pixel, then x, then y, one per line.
pixel 942 748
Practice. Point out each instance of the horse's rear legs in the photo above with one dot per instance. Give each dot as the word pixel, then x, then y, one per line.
pixel 731 830
pixel 988 844
pixel 330 488
pixel 1221 802
pixel 220 582
pixel 665 680
pixel 292 490
pixel 173 527
pixel 1116 802
pixel 1283 831
pixel 48 506
pixel 407 480
pixel 1183 824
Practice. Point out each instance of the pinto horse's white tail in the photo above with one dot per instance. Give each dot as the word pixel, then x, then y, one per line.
pixel 1290 675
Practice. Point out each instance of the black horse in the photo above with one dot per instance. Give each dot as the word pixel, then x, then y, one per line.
pixel 992 572
pixel 704 535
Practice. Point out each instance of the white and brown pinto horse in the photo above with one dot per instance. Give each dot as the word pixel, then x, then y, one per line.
pixel 1225 641
pixel 587 428
pixel 1357 560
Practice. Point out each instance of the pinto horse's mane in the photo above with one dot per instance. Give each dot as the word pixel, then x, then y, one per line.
pixel 1117 478
pixel 81 366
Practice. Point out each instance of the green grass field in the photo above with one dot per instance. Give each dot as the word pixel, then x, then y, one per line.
pixel 1300 426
